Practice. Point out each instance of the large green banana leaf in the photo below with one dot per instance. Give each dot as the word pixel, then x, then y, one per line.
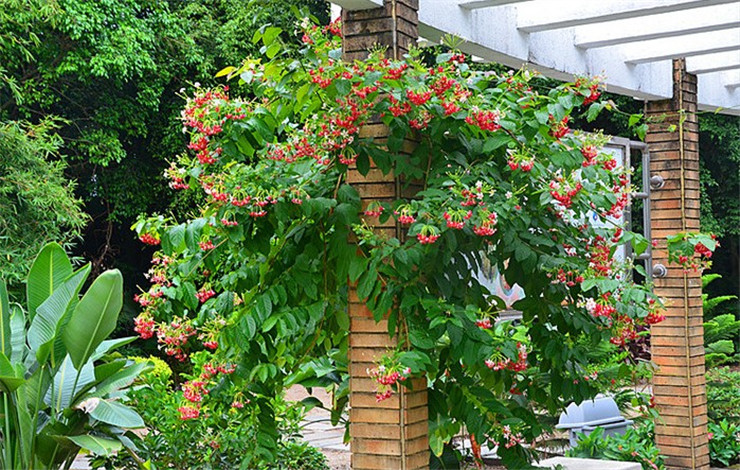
pixel 4 320
pixel 96 444
pixel 50 315
pixel 67 385
pixel 116 414
pixel 49 270
pixel 94 318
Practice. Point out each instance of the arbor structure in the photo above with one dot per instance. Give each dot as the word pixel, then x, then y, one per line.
pixel 653 50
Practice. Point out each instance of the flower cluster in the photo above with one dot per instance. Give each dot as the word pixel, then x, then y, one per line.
pixel 173 337
pixel 504 363
pixel 194 391
pixel 691 251
pixel 386 378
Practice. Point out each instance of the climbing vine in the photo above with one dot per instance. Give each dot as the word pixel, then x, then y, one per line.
pixel 258 278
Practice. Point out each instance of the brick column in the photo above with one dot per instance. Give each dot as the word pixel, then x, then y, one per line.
pixel 391 434
pixel 678 341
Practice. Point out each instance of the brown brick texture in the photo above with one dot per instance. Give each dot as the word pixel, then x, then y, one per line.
pixel 678 342
pixel 391 434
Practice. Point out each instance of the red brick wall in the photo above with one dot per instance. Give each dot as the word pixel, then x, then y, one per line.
pixel 391 434
pixel 678 341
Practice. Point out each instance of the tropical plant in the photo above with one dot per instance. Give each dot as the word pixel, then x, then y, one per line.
pixel 635 445
pixel 721 331
pixel 257 281
pixel 37 203
pixel 59 385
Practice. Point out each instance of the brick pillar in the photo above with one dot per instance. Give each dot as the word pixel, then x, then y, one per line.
pixel 678 341
pixel 391 434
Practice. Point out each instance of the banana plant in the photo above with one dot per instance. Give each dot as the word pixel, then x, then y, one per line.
pixel 61 388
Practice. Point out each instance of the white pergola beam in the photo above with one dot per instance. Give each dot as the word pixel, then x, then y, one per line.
pixel 359 4
pixel 546 52
pixel 474 4
pixel 718 94
pixel 557 14
pixel 730 80
pixel 673 48
pixel 710 63
pixel 493 34
pixel 665 25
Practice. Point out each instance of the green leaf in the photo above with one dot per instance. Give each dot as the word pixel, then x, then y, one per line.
pixel 5 332
pixel 495 141
pixel 64 387
pixel 121 379
pixel 263 307
pixel 18 335
pixel 8 380
pixel 366 283
pixel 272 50
pixel 50 316
pixel 49 270
pixel 357 266
pixel 116 414
pixel 97 445
pixel 593 111
pixel 94 318
pixel 270 34
pixel 110 345
pixel 226 71
pixel 343 86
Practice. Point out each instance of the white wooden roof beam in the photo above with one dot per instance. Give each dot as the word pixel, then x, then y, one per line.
pixel 716 62
pixel 731 80
pixel 665 25
pixel 473 4
pixel 672 48
pixel 557 14
pixel 721 87
pixel 492 33
pixel 359 4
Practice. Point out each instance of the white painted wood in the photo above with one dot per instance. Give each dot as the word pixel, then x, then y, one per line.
pixel 684 46
pixel 473 4
pixel 718 92
pixel 707 35
pixel 359 4
pixel 716 62
pixel 665 25
pixel 730 79
pixel 547 52
pixel 546 15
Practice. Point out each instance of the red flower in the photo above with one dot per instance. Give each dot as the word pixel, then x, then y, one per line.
pixel 188 412
pixel 149 239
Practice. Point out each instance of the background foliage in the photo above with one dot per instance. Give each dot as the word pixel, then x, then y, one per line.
pixel 37 203
pixel 112 69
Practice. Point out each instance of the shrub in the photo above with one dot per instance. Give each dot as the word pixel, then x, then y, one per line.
pixel 223 436
pixel 723 394
pixel 60 388
pixel 636 445
pixel 724 443
pixel 37 203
